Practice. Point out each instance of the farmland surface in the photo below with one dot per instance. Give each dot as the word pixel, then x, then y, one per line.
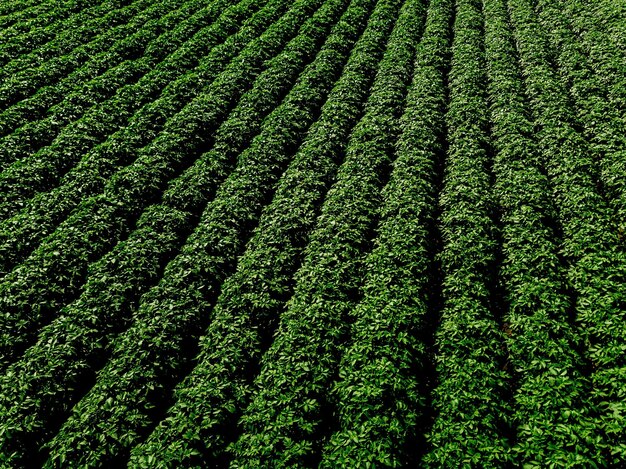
pixel 312 233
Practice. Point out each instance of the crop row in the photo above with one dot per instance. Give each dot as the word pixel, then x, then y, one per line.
pixel 128 60
pixel 27 73
pixel 53 274
pixel 22 233
pixel 472 385
pixel 614 15
pixel 41 23
pixel 41 116
pixel 160 231
pixel 604 44
pixel 381 389
pixel 596 78
pixel 88 86
pixel 11 175
pixel 208 403
pixel 284 424
pixel 596 264
pixel 543 344
pixel 20 9
pixel 172 315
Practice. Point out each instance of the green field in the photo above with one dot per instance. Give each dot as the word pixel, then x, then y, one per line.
pixel 312 233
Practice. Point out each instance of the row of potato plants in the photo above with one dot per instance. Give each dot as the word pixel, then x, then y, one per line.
pixel 603 21
pixel 36 121
pixel 381 391
pixel 15 17
pixel 596 265
pixel 40 24
pixel 23 76
pixel 89 86
pixel 613 12
pixel 200 425
pixel 596 79
pixel 22 233
pixel 41 116
pixel 41 170
pixel 160 231
pixel 169 320
pixel 11 89
pixel 551 408
pixel 38 391
pixel 54 273
pixel 469 396
pixel 12 11
pixel 287 418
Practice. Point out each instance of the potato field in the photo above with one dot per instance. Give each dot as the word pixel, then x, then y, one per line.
pixel 312 233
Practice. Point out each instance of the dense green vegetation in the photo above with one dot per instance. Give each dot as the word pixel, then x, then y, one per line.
pixel 312 233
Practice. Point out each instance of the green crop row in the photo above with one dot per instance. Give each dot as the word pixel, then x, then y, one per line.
pixel 41 116
pixel 472 384
pixel 551 408
pixel 35 172
pixel 38 391
pixel 380 393
pixel 597 82
pixel 215 393
pixel 16 10
pixel 285 423
pixel 596 264
pixel 105 307
pixel 24 30
pixel 172 315
pixel 98 81
pixel 53 274
pixel 25 74
pixel 612 20
pixel 22 233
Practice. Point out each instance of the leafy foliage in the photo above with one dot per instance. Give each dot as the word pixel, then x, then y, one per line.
pixel 551 409
pixel 380 395
pixel 596 263
pixel 213 395
pixel 285 422
pixel 20 234
pixel 312 233
pixel 55 271
pixel 472 413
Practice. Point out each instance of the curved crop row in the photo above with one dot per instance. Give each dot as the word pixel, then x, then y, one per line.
pixel 38 391
pixel 597 267
pixel 16 147
pixel 9 9
pixel 209 401
pixel 22 233
pixel 380 392
pixel 40 171
pixel 469 396
pixel 598 28
pixel 169 318
pixel 41 116
pixel 544 348
pixel 21 11
pixel 102 78
pixel 612 14
pixel 41 22
pixel 52 275
pixel 284 423
pixel 26 74
pixel 108 300
pixel 599 92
